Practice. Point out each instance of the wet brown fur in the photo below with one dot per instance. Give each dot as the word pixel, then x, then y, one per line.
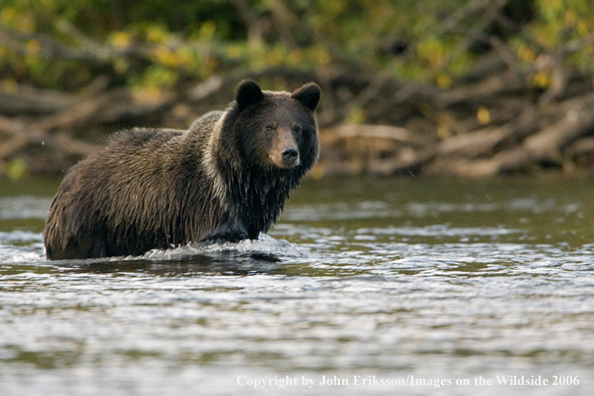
pixel 223 179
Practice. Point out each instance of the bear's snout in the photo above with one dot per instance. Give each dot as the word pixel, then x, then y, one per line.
pixel 288 158
pixel 285 151
pixel 290 154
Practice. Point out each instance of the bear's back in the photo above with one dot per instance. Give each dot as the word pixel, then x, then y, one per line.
pixel 130 187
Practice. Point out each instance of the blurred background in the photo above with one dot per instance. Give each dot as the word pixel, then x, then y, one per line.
pixel 415 87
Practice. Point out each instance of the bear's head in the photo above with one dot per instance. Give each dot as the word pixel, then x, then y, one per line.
pixel 277 129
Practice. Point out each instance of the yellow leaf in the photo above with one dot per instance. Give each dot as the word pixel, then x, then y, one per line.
pixel 8 14
pixel 234 52
pixel 483 115
pixel 121 65
pixel 207 30
pixel 9 85
pixel 356 116
pixel 526 54
pixel 121 39
pixel 166 56
pixel 296 56
pixel 33 47
pixel 583 27
pixel 156 34
pixel 275 57
pixel 443 132
pixel 542 79
pixel 323 56
pixel 443 81
pixel 16 169
pixel 570 17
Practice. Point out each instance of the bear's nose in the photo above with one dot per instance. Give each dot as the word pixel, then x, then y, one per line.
pixel 290 154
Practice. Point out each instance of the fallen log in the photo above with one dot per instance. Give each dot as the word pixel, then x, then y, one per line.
pixel 31 101
pixel 432 131
pixel 20 134
pixel 547 144
pixel 513 161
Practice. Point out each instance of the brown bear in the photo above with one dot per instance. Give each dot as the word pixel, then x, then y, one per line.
pixel 226 178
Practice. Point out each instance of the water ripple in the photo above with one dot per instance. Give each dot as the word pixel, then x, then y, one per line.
pixel 392 285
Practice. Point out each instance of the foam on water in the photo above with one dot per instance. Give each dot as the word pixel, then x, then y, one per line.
pixel 265 245
pixel 21 247
pixel 27 247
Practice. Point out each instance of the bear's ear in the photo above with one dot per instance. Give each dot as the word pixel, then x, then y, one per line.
pixel 308 95
pixel 248 93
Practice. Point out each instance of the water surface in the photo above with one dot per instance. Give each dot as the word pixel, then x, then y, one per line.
pixel 396 286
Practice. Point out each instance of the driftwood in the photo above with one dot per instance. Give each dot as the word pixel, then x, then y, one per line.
pixel 32 101
pixel 493 125
pixel 547 144
pixel 52 143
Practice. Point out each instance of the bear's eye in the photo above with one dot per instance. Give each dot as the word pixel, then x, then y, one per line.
pixel 269 128
pixel 297 130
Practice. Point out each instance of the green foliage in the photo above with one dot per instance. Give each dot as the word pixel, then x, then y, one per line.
pixel 565 25
pixel 157 44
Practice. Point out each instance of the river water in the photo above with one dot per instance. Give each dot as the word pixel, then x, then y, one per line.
pixel 384 286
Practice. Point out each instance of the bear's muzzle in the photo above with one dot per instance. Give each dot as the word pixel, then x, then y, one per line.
pixel 290 156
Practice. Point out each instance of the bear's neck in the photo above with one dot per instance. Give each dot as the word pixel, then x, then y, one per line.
pixel 259 196
pixel 250 192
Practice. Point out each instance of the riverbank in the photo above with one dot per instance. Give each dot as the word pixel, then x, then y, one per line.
pixel 498 124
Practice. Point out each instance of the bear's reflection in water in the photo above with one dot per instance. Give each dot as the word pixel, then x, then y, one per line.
pixel 222 263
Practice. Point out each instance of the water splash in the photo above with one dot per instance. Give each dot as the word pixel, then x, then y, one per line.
pixel 263 247
pixel 21 247
pixel 27 247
